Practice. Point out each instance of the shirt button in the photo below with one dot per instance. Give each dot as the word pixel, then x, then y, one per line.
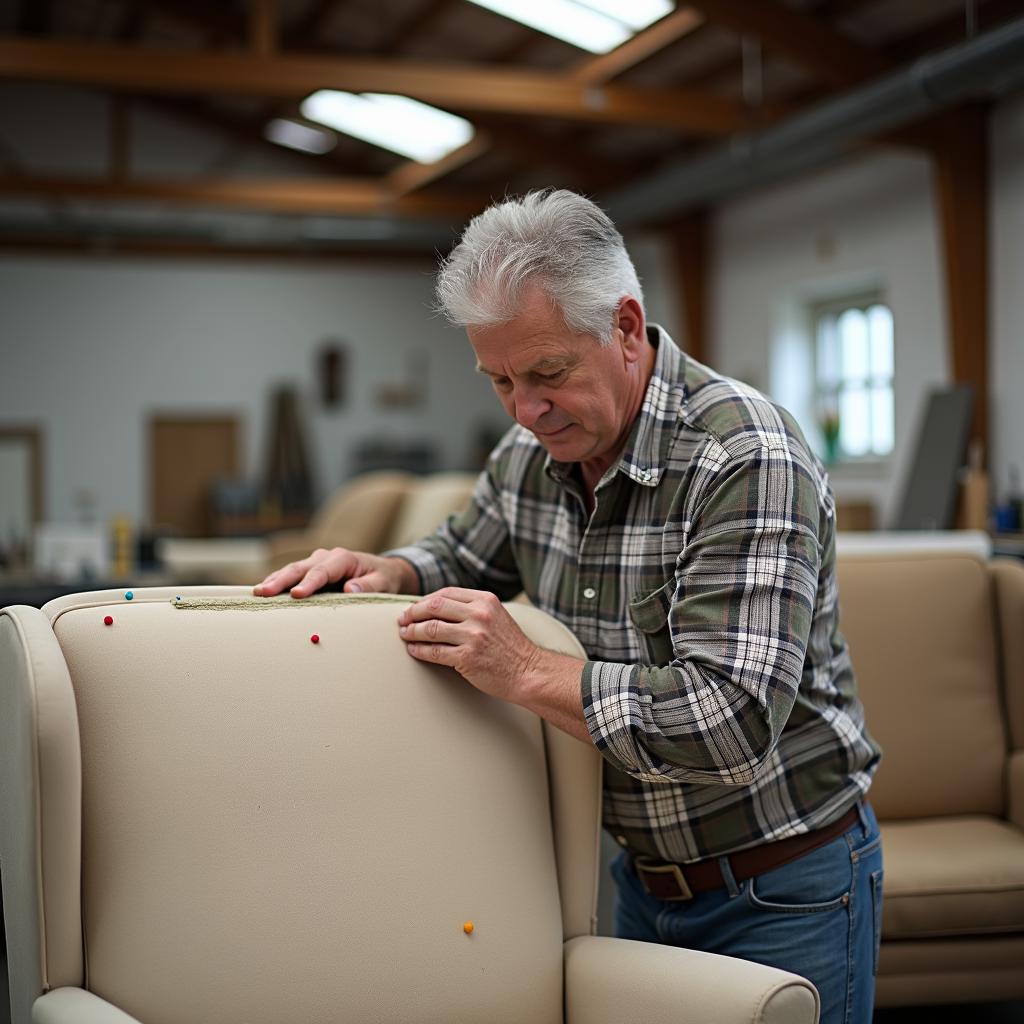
pixel 590 593
pixel 621 840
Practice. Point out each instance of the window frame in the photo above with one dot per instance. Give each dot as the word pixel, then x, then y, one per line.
pixel 828 395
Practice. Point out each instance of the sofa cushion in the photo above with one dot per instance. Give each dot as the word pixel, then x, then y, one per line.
pixel 922 635
pixel 952 876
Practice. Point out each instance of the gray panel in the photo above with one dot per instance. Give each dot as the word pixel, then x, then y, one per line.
pixel 929 501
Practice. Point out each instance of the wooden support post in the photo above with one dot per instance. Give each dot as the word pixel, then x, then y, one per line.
pixel 960 153
pixel 263 27
pixel 690 239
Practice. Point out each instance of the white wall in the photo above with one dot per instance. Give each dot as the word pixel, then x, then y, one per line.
pixel 91 347
pixel 869 222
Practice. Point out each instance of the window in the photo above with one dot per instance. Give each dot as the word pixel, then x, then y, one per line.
pixel 854 379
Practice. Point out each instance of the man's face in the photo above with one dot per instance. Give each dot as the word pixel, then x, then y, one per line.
pixel 576 396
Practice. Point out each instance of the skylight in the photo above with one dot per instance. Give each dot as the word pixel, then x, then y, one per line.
pixel 299 136
pixel 403 125
pixel 594 25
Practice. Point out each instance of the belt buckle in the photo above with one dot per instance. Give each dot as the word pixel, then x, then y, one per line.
pixel 685 893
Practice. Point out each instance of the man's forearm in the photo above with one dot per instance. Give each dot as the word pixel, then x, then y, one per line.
pixel 551 688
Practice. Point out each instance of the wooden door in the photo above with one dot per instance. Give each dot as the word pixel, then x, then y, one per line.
pixel 187 454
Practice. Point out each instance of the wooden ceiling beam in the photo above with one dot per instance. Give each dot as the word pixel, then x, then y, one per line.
pixel 469 87
pixel 410 176
pixel 352 196
pixel 800 37
pixel 670 29
pixel 593 71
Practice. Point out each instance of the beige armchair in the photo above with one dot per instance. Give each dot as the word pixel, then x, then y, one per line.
pixel 209 818
pixel 937 639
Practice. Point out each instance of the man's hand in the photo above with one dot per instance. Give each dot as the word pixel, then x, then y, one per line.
pixel 365 573
pixel 472 632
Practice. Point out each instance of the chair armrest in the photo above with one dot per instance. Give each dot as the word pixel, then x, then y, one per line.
pixel 1015 788
pixel 619 981
pixel 76 1006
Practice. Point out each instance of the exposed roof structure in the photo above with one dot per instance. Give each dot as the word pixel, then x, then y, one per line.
pixel 133 77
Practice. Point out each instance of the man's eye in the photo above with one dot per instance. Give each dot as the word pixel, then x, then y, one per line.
pixel 502 383
pixel 548 377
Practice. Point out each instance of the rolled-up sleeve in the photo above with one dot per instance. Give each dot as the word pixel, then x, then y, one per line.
pixel 738 618
pixel 471 549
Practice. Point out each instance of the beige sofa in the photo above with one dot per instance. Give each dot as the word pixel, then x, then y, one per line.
pixel 207 817
pixel 376 511
pixel 937 640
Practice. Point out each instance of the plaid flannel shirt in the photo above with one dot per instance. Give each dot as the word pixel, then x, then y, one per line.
pixel 718 687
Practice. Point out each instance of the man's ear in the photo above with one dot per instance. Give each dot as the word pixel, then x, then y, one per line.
pixel 630 321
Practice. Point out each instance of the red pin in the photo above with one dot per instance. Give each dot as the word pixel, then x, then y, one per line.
pixel 315 638
pixel 108 620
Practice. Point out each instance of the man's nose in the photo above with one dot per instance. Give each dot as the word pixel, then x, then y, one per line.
pixel 529 408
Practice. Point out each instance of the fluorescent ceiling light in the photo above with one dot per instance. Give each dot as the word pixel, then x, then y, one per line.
pixel 594 25
pixel 403 125
pixel 637 14
pixel 299 136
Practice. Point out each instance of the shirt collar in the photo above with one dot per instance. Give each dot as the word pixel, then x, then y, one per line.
pixel 643 457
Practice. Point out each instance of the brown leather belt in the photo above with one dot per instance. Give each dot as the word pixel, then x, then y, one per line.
pixel 666 880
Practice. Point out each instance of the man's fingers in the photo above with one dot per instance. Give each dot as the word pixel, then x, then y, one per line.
pixel 436 654
pixel 433 631
pixel 279 580
pixel 315 579
pixel 437 606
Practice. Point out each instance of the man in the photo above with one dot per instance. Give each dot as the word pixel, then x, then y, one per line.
pixel 677 523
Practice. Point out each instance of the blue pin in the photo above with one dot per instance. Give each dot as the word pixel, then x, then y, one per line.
pixel 128 595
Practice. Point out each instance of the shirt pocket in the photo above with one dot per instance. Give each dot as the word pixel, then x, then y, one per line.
pixel 649 614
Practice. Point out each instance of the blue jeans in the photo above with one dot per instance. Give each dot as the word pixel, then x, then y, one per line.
pixel 818 916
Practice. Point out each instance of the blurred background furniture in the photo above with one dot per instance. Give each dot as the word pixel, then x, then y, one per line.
pixel 936 632
pixel 377 511
pixel 209 818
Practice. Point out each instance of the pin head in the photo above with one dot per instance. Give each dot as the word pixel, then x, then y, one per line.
pixel 128 595
pixel 108 620
pixel 468 927
pixel 315 638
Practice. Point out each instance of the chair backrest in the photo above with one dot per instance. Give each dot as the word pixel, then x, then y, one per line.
pixel 923 635
pixel 275 829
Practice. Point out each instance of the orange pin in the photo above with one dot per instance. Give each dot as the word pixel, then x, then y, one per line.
pixel 468 927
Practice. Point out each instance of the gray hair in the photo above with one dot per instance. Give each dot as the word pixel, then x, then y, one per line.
pixel 554 238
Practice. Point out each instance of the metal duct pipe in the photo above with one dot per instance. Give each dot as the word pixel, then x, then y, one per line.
pixel 991 63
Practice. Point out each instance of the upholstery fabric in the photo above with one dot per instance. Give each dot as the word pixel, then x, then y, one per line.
pixel 40 809
pixel 950 970
pixel 76 1006
pixel 229 776
pixel 949 877
pixel 617 981
pixel 922 636
pixel 1009 582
